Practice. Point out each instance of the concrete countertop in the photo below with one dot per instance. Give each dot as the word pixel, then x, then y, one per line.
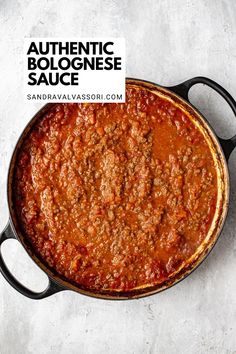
pixel 167 42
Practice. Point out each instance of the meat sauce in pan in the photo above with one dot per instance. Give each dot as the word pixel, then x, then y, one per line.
pixel 116 196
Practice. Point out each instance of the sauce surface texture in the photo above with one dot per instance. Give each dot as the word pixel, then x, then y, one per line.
pixel 116 196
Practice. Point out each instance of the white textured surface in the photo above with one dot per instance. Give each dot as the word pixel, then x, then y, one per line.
pixel 167 42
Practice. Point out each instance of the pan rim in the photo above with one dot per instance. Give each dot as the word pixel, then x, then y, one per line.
pixel 68 285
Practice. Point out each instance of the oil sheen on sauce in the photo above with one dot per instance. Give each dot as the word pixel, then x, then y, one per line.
pixel 115 196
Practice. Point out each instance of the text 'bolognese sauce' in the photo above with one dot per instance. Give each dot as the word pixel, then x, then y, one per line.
pixel 116 196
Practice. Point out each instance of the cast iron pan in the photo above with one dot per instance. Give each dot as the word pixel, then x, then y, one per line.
pixel 57 284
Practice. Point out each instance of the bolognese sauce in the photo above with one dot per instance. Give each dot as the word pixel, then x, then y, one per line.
pixel 116 196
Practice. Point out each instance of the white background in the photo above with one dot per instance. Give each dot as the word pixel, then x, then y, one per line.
pixel 167 42
pixel 92 82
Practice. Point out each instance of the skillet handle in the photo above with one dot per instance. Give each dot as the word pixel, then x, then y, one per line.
pixel 182 90
pixel 52 287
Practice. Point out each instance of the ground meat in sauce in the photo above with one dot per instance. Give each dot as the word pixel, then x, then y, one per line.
pixel 116 196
